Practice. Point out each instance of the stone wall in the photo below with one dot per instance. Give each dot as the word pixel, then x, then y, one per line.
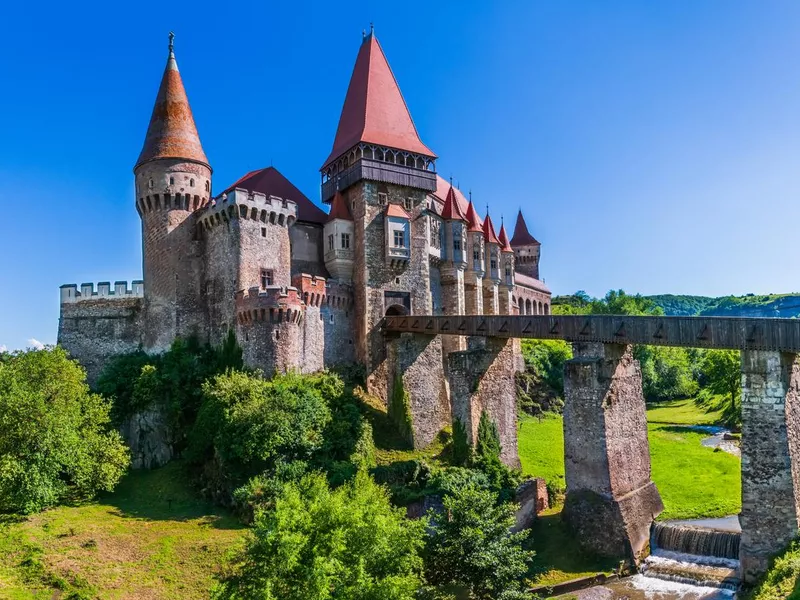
pixel 93 329
pixel 611 501
pixel 482 379
pixel 306 240
pixel 770 457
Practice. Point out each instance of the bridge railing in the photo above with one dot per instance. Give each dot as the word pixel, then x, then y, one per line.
pixel 732 333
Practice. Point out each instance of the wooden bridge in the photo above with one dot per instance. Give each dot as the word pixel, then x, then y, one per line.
pixel 694 332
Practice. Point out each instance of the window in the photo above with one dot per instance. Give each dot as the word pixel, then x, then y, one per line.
pixel 263 232
pixel 191 183
pixel 266 278
pixel 345 241
pixel 436 233
pixel 172 181
pixel 408 203
pixel 399 238
pixel 330 319
pixel 206 186
pixel 493 263
pixel 457 243
pixel 150 184
pixel 330 242
pixel 383 199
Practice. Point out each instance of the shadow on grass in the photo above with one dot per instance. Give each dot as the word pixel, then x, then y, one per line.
pixel 165 494
pixel 559 556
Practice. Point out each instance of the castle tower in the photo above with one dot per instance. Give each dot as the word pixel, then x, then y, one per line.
pixel 473 281
pixel 506 290
pixel 173 180
pixel 384 172
pixel 526 249
pixel 454 264
pixel 491 281
pixel 339 240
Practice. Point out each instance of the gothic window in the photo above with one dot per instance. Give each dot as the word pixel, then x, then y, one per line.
pixel 330 242
pixel 266 278
pixel 345 241
pixel 206 186
pixel 399 238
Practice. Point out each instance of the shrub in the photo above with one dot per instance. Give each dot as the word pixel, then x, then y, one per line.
pixel 782 580
pixel 319 544
pixel 400 410
pixel 462 451
pixel 56 443
pixel 473 549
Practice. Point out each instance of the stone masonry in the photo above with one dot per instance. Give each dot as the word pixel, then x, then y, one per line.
pixel 770 457
pixel 611 500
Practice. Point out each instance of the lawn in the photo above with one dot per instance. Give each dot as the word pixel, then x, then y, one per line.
pixel 150 539
pixel 694 481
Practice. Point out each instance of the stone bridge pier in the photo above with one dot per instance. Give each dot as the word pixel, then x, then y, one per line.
pixel 611 501
pixel 770 457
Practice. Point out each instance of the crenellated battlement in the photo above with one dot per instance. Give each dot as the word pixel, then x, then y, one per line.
pixel 255 206
pixel 105 291
pixel 274 304
pixel 317 291
pixel 340 295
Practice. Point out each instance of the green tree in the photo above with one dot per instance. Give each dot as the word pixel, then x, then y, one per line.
pixel 471 547
pixel 721 373
pixel 56 443
pixel 320 544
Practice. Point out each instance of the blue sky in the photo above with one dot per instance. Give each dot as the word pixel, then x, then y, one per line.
pixel 653 146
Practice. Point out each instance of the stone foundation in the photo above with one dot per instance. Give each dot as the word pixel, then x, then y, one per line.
pixel 770 453
pixel 611 501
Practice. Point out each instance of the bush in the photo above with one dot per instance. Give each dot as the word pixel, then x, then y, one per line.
pixel 400 411
pixel 56 443
pixel 473 549
pixel 782 581
pixel 319 544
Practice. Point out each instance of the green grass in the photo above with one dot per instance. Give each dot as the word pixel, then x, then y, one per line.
pixel 150 539
pixel 694 481
pixel 782 580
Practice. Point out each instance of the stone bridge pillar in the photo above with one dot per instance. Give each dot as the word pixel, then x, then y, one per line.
pixel 611 501
pixel 482 379
pixel 417 394
pixel 770 457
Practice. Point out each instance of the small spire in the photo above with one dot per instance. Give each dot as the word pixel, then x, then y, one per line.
pixel 470 195
pixel 171 43
pixel 451 181
pixel 363 34
pixel 371 28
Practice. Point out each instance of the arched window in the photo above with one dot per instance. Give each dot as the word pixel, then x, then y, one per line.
pixel 207 186
pixel 191 183
pixel 172 181
pixel 150 183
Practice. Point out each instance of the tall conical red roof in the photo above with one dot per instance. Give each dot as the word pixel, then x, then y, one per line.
pixel 521 235
pixel 488 231
pixel 473 221
pixel 503 237
pixel 172 132
pixel 339 208
pixel 452 209
pixel 374 110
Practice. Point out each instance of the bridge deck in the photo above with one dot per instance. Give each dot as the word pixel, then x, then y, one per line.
pixel 694 332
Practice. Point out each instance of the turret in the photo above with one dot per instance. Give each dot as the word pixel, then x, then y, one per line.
pixel 455 238
pixel 475 244
pixel 173 179
pixel 506 273
pixel 339 240
pixel 526 249
pixel 492 249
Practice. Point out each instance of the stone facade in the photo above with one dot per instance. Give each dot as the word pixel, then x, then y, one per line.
pixel 770 514
pixel 303 290
pixel 611 500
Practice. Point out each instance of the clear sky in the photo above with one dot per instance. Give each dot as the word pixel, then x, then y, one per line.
pixel 653 146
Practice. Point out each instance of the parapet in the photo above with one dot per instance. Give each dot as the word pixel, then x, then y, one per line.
pixel 243 204
pixel 274 304
pixel 317 291
pixel 120 290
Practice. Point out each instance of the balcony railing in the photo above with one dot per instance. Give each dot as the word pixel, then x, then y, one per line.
pixel 339 254
pixel 377 170
pixel 398 252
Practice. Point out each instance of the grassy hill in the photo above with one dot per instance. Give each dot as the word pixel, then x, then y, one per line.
pixel 751 305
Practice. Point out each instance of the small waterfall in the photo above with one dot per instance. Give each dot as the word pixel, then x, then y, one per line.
pixel 694 556
pixel 696 541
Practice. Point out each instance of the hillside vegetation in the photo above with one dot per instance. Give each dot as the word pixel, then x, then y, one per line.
pixel 751 305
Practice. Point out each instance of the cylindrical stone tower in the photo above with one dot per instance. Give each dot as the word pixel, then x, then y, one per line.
pixel 173 179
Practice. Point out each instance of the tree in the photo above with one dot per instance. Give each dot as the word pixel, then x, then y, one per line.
pixel 319 544
pixel 721 373
pixel 56 443
pixel 471 546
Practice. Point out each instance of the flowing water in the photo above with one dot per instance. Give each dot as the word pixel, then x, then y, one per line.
pixel 686 562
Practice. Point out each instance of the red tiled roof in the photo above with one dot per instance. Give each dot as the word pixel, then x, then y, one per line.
pixel 339 208
pixel 530 282
pixel 473 220
pixel 271 182
pixel 395 210
pixel 452 209
pixel 172 132
pixel 488 231
pixel 440 195
pixel 503 237
pixel 374 110
pixel 521 235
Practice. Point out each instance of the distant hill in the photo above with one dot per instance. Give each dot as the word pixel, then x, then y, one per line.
pixel 751 305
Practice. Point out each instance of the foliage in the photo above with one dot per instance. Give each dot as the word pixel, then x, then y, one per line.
pixel 55 440
pixel 317 544
pixel 666 372
pixel 472 547
pixel 547 358
pixel 782 580
pixel 722 374
pixel 487 459
pixel 248 423
pixel 400 410
pixel 750 305
pixel 461 450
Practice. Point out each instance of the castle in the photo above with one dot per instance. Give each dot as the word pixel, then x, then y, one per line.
pixel 303 289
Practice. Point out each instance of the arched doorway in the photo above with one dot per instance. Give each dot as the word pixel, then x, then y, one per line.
pixel 396 310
